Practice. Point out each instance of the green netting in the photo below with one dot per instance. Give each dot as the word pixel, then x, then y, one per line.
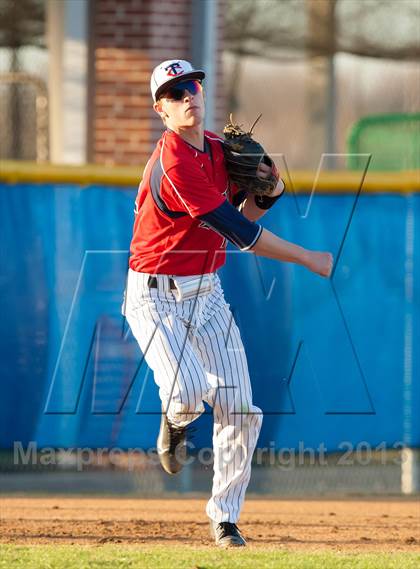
pixel 393 140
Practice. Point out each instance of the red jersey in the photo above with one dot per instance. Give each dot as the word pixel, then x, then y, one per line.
pixel 179 184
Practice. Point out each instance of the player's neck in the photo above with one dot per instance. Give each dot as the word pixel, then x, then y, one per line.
pixel 194 135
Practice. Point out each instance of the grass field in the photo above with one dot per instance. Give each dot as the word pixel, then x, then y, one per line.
pixel 181 557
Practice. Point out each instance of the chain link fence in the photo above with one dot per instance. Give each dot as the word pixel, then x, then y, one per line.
pixel 363 473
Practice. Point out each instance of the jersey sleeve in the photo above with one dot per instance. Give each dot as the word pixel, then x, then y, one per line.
pixel 227 221
pixel 188 188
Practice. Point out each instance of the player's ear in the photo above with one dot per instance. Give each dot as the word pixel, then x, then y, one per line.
pixel 158 108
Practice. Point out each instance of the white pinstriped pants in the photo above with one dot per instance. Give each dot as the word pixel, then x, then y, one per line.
pixel 196 353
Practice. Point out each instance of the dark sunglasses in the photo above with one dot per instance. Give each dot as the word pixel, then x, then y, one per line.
pixel 176 92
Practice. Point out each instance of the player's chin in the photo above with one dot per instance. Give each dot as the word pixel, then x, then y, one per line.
pixel 194 119
pixel 194 116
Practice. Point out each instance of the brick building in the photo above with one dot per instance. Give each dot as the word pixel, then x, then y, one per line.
pixel 102 53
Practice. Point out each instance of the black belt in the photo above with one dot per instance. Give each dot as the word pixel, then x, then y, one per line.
pixel 152 283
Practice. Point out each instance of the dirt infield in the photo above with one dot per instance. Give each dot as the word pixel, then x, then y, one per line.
pixel 311 525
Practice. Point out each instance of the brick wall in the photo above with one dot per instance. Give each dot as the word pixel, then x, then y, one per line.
pixel 129 38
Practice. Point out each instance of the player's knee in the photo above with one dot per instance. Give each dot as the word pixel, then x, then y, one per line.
pixel 257 414
pixel 253 416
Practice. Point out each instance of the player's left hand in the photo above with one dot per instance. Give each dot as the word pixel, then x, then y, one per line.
pixel 264 171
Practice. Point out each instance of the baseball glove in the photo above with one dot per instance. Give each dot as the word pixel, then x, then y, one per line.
pixel 243 155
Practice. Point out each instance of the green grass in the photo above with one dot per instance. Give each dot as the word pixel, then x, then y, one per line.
pixel 170 557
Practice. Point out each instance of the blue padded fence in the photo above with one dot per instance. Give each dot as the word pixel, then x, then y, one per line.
pixel 331 361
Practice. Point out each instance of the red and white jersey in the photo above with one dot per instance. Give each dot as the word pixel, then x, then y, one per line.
pixel 179 184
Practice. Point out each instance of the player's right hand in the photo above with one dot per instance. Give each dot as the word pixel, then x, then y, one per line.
pixel 320 263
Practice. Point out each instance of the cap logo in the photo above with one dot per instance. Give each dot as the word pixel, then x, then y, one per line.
pixel 174 69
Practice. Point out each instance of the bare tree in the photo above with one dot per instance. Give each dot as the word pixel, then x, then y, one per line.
pixel 317 30
pixel 278 29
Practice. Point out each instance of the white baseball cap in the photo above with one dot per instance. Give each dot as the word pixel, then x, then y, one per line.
pixel 171 71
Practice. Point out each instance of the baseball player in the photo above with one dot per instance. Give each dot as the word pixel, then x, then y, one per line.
pixel 186 210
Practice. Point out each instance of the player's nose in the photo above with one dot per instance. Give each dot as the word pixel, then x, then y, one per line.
pixel 188 96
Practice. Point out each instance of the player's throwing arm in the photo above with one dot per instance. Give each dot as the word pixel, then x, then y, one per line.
pixel 269 245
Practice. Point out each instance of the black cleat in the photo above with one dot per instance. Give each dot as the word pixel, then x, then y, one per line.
pixel 171 446
pixel 227 534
